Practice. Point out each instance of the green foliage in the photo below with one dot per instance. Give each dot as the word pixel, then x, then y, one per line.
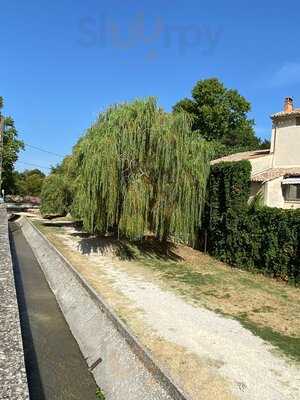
pixel 11 148
pixel 220 114
pixel 142 169
pixel 56 195
pixel 257 201
pixel 100 394
pixel 28 182
pixel 63 180
pixel 250 236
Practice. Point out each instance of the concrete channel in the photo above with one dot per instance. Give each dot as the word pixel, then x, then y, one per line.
pixel 55 367
pixel 73 341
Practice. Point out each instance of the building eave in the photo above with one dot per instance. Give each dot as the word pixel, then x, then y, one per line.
pixel 286 115
pixel 247 155
pixel 274 173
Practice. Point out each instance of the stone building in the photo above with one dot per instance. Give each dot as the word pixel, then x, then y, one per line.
pixel 276 172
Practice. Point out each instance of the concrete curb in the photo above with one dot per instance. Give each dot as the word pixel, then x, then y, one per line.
pixel 159 373
pixel 13 380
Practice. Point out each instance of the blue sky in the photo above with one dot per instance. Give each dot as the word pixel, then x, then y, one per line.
pixel 62 62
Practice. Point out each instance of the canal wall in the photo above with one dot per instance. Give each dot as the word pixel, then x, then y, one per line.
pixel 13 380
pixel 120 364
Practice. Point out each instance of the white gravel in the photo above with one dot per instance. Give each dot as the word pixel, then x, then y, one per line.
pixel 248 363
pixel 253 368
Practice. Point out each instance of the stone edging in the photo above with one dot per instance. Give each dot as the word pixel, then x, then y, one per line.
pixel 13 380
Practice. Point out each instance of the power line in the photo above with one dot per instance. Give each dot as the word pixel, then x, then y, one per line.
pixel 43 150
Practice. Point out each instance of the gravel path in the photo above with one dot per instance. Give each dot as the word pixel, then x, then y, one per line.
pixel 254 369
pixel 246 361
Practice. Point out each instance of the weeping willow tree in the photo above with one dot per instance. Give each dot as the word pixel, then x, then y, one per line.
pixel 142 170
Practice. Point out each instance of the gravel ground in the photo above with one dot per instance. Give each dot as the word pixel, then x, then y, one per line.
pixel 253 368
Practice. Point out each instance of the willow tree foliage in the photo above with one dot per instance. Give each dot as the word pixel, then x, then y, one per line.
pixel 56 195
pixel 142 170
pixel 59 188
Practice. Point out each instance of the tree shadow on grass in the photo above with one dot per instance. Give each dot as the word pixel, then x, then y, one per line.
pixel 149 247
pixel 62 224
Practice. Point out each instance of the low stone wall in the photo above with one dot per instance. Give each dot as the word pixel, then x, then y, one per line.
pixel 121 366
pixel 13 380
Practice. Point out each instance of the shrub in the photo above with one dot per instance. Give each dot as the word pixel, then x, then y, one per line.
pixel 255 238
pixel 228 191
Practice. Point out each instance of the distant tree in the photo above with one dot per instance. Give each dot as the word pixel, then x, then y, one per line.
pixel 11 148
pixel 29 182
pixel 220 114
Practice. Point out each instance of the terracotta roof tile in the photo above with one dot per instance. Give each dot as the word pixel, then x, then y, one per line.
pixel 273 173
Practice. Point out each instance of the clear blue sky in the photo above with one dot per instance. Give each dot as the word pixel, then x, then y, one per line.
pixel 64 61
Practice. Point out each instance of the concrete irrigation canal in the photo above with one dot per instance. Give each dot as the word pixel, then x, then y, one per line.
pixel 58 339
pixel 55 366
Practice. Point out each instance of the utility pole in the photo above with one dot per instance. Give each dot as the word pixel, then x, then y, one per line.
pixel 1 148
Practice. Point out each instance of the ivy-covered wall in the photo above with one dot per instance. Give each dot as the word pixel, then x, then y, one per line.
pixel 254 238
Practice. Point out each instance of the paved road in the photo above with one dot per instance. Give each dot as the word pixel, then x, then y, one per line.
pixel 55 367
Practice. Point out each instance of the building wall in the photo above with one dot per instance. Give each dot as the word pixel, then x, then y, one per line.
pixel 261 164
pixel 286 147
pixel 273 139
pixel 291 205
pixel 274 195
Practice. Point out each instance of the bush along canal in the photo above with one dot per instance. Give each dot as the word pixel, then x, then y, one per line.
pixel 55 367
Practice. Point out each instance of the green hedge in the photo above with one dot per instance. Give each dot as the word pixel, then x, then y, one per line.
pixel 265 239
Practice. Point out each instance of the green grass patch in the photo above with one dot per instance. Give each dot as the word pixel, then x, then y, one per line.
pixel 289 345
pixel 181 273
pixel 250 283
pixel 100 394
